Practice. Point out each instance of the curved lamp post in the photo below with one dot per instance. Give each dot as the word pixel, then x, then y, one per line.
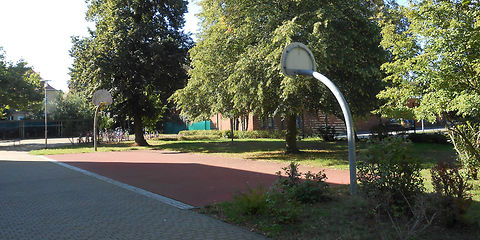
pixel 297 59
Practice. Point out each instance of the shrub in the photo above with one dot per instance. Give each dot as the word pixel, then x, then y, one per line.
pixel 273 205
pixel 389 174
pixel 383 130
pixel 453 190
pixel 260 134
pixel 200 134
pixel 251 203
pixel 327 133
pixel 217 134
pixel 379 132
pixel 281 208
pixel 448 180
pixel 428 138
pixel 311 189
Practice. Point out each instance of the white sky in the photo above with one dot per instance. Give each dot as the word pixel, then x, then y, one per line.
pixel 39 31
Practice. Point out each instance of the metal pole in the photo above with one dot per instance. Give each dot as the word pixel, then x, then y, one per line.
pixel 46 131
pixel 95 127
pixel 348 121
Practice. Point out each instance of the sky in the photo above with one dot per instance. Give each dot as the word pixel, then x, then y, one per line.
pixel 39 32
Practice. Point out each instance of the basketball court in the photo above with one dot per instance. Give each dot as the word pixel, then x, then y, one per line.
pixel 194 179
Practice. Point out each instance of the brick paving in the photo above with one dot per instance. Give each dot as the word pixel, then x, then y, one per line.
pixel 42 200
pixel 195 179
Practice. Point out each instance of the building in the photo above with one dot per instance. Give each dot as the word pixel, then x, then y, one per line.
pixel 308 122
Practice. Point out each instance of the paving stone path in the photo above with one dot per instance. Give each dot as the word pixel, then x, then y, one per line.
pixel 42 200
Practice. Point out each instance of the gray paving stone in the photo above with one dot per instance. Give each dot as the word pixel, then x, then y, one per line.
pixel 41 200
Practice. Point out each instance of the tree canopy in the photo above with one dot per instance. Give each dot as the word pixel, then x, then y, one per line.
pixel 236 61
pixel 72 106
pixel 21 87
pixel 137 51
pixel 435 61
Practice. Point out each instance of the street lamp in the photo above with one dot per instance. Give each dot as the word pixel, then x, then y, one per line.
pixel 45 84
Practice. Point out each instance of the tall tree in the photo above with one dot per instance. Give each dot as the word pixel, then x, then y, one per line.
pixel 236 62
pixel 137 51
pixel 435 59
pixel 21 88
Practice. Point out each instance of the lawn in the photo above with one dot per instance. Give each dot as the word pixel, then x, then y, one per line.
pixel 315 152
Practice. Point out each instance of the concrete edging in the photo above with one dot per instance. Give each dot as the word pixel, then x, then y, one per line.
pixel 140 191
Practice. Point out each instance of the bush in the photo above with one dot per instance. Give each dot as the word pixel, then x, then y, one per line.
pixel 379 132
pixel 428 138
pixel 272 205
pixel 309 190
pixel 383 130
pixel 452 187
pixel 448 181
pixel 281 208
pixel 217 134
pixel 327 133
pixel 389 174
pixel 283 203
pixel 251 203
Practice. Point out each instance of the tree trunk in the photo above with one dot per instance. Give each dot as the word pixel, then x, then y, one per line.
pixel 138 127
pixel 291 135
pixel 231 128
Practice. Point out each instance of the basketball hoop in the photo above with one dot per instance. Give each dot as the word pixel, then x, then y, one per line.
pixel 297 59
pixel 100 98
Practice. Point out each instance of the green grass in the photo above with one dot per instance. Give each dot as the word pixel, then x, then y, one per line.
pixel 343 217
pixel 315 152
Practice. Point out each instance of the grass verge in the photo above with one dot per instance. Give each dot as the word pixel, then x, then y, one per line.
pixel 315 152
pixel 343 217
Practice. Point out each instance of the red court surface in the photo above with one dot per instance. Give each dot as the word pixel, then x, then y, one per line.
pixel 195 179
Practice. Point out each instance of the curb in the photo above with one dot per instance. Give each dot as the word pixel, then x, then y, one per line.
pixel 163 199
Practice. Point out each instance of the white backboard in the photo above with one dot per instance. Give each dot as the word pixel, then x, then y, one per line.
pixel 102 96
pixel 296 56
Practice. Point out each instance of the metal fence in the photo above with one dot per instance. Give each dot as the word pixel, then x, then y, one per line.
pixel 24 129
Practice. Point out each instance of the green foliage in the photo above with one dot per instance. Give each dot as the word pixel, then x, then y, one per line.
pixel 384 130
pixel 327 133
pixel 437 138
pixel 448 180
pixel 259 203
pixel 72 106
pixel 379 131
pixel 251 203
pixel 21 87
pixel 432 59
pixel 452 195
pixel 216 134
pixel 466 139
pixel 282 204
pixel 389 174
pixel 236 61
pixel 311 189
pixel 138 52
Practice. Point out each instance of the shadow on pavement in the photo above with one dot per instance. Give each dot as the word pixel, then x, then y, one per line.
pixel 26 145
pixel 194 184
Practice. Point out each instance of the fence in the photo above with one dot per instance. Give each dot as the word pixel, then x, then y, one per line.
pixel 24 129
